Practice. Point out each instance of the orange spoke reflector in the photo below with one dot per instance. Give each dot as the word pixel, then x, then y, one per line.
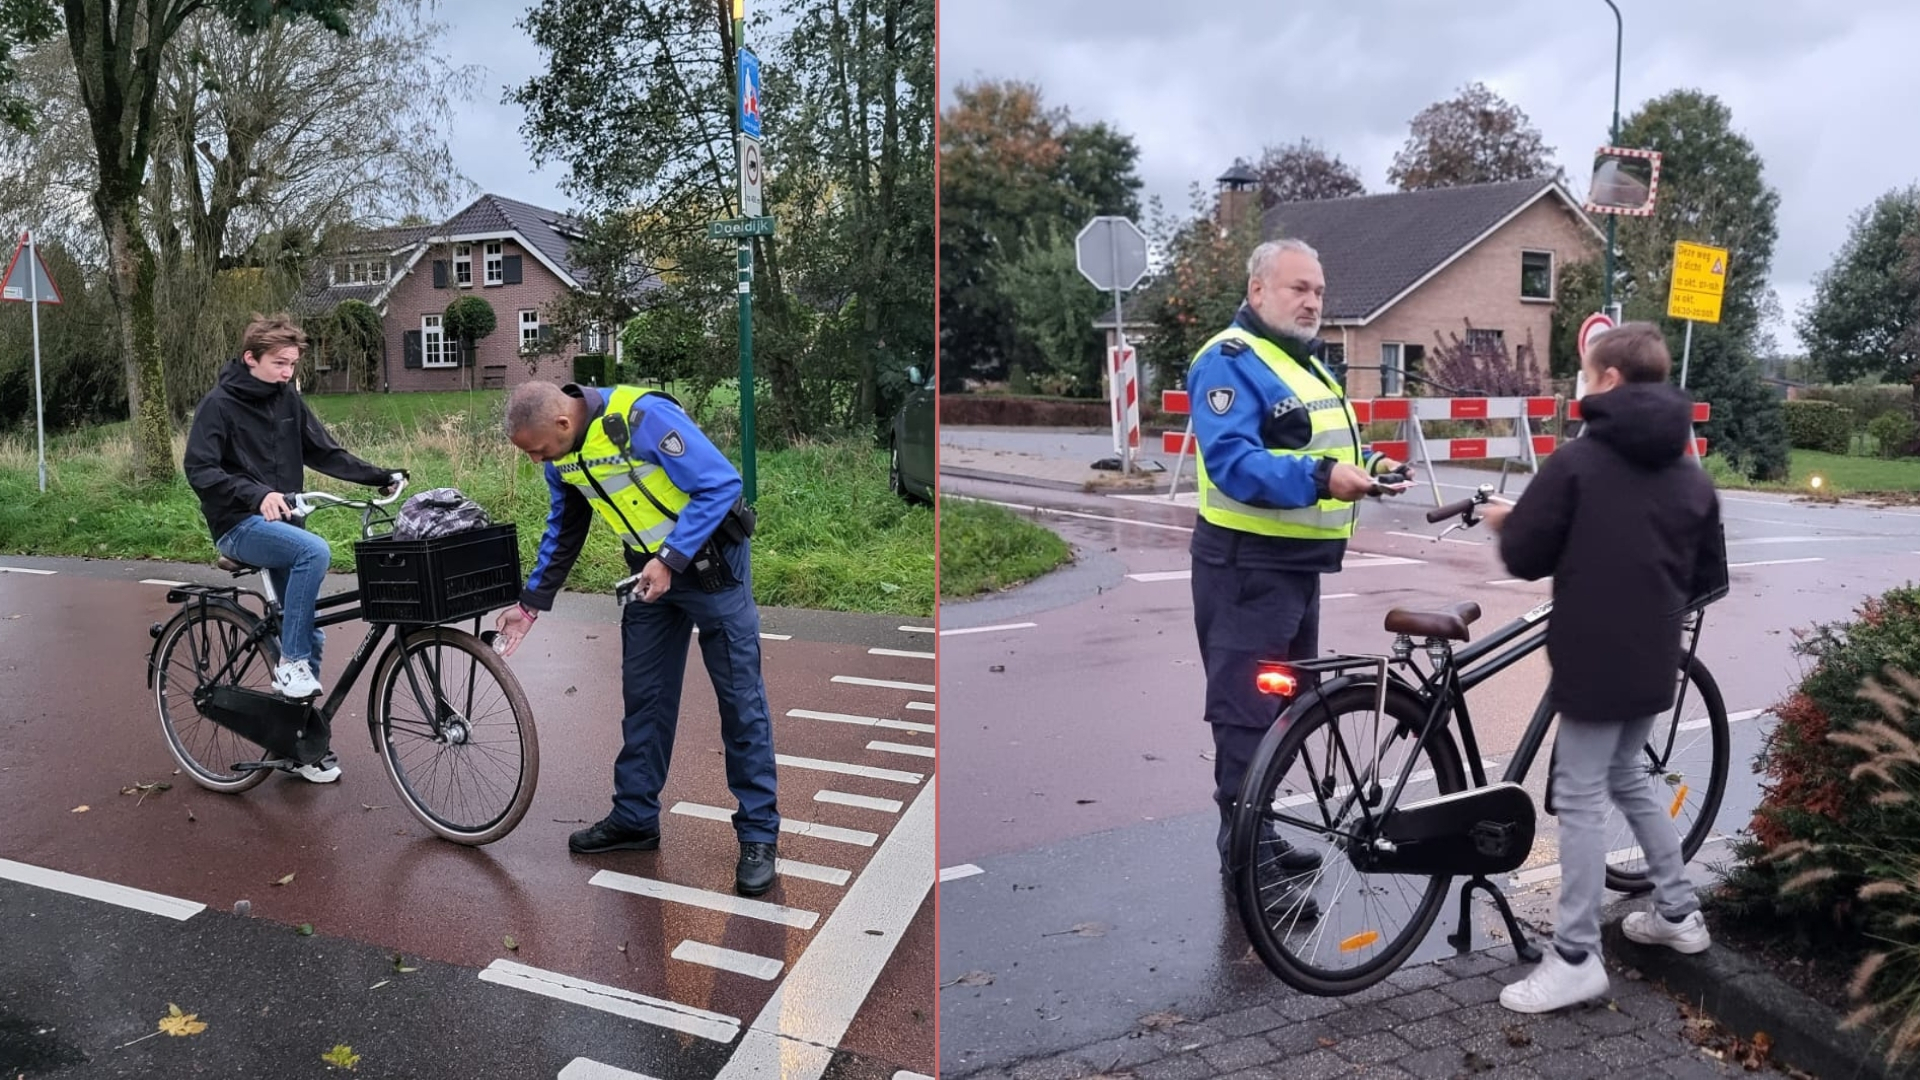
pixel 1679 800
pixel 1360 941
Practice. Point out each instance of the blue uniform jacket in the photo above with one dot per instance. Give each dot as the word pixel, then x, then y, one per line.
pixel 711 482
pixel 1236 417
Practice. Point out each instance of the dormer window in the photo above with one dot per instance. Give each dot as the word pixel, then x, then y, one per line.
pixel 496 262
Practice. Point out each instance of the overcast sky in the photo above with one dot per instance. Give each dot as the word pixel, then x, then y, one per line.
pixel 1825 91
pixel 487 146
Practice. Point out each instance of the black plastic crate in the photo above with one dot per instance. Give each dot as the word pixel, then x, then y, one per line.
pixel 440 580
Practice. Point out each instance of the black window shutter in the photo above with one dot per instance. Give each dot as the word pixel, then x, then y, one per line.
pixel 439 273
pixel 510 269
pixel 410 349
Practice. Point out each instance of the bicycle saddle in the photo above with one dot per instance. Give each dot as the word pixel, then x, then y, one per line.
pixel 235 568
pixel 1450 623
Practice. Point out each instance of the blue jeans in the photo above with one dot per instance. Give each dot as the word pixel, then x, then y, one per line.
pixel 654 644
pixel 296 562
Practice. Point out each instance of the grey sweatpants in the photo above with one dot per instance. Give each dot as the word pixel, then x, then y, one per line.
pixel 1595 761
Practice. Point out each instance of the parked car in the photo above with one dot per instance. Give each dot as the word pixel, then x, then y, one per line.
pixel 911 475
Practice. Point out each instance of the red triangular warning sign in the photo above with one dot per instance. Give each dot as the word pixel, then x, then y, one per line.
pixel 27 279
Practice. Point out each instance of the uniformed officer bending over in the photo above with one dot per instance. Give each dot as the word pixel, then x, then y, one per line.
pixel 634 457
pixel 1280 467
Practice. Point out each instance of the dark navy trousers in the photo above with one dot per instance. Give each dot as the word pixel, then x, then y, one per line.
pixel 1243 617
pixel 654 641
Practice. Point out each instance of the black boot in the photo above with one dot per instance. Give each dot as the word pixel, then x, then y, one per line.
pixel 754 874
pixel 608 835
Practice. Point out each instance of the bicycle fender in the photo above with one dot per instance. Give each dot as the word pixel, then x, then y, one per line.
pixel 190 601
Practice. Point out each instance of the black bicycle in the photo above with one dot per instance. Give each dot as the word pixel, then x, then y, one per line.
pixel 1364 769
pixel 446 714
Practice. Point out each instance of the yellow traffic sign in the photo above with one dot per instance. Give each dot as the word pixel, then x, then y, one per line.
pixel 1699 281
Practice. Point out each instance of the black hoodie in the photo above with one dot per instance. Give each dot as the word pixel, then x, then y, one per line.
pixel 1628 526
pixel 250 438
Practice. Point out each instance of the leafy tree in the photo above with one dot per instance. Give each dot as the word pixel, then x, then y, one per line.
pixel 1305 172
pixel 467 319
pixel 357 336
pixel 666 341
pixel 119 50
pixel 1054 307
pixel 1864 318
pixel 1576 295
pixel 1746 426
pixel 1203 284
pixel 1476 137
pixel 1011 170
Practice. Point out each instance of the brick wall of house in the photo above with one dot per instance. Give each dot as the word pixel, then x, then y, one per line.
pixel 497 354
pixel 1482 286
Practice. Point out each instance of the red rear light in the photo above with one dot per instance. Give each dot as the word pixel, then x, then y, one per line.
pixel 1276 680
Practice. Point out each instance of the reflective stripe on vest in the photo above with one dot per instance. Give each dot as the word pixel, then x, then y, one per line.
pixel 1336 435
pixel 628 482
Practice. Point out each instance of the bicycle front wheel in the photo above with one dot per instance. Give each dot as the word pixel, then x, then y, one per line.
pixel 1684 765
pixel 1317 788
pixel 197 646
pixel 456 734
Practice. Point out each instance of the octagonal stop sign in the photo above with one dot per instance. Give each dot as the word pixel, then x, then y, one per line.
pixel 1111 252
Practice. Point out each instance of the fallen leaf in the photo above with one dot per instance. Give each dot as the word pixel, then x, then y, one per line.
pixel 512 944
pixel 1475 1063
pixel 81 809
pixel 971 978
pixel 572 690
pixel 994 668
pixel 190 816
pixel 181 1024
pixel 400 965
pixel 369 806
pixel 379 984
pixel 1085 802
pixel 1085 929
pixel 1161 1021
pixel 288 880
pixel 889 587
pixel 341 1056
pixel 1151 757
pixel 1326 1043
pixel 1517 1036
pixel 305 929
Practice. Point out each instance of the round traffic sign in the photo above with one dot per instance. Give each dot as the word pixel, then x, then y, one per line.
pixel 1596 324
pixel 752 164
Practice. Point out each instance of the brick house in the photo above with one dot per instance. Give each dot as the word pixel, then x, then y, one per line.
pixel 1406 271
pixel 513 255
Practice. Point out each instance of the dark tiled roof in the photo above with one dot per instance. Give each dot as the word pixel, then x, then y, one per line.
pixel 389 239
pixel 541 227
pixel 1373 247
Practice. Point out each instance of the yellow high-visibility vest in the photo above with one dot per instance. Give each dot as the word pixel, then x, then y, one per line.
pixel 641 505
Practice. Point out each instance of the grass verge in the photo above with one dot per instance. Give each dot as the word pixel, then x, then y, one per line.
pixel 984 548
pixel 830 535
pixel 1840 475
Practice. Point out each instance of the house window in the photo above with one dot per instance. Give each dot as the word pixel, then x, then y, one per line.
pixel 1536 275
pixel 529 330
pixel 463 265
pixel 496 263
pixel 594 339
pixel 1335 358
pixel 1486 340
pixel 377 271
pixel 435 349
pixel 1393 368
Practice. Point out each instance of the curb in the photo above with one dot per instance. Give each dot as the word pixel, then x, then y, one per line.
pixel 1746 998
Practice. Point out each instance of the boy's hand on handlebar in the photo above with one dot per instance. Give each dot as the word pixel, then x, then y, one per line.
pixel 275 508
pixel 1495 514
pixel 397 480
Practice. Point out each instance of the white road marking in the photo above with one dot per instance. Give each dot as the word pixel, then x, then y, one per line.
pixel 859 837
pixel 668 1014
pixel 106 892
pixel 1732 718
pixel 920 706
pixel 1803 540
pixel 905 1075
pixel 164 581
pixel 988 629
pixel 1551 872
pixel 885 684
pixel 901 748
pixel 1340 596
pixel 964 870
pixel 829 875
pixel 917 629
pixel 764 636
pixel 589 1069
pixel 1772 562
pixel 843 768
pixel 1365 562
pixel 863 802
pixel 1080 514
pixel 864 721
pixel 27 570
pixel 713 956
pixel 702 898
pixel 1442 539
pixel 812 1007
pixel 1162 575
pixel 910 655
pixel 1509 581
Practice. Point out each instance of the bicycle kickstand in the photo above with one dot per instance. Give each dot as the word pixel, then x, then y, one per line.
pixel 1462 938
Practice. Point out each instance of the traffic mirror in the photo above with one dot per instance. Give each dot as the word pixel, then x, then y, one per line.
pixel 1625 181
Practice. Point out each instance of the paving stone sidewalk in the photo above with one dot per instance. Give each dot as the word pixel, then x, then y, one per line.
pixel 1434 1022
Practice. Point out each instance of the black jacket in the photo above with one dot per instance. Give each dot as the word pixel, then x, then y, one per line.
pixel 250 438
pixel 1629 529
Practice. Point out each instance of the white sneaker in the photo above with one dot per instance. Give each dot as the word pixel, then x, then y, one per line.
pixel 325 772
pixel 1556 984
pixel 294 679
pixel 1689 935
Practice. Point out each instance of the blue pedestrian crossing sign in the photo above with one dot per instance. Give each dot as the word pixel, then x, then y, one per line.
pixel 749 96
pixel 27 279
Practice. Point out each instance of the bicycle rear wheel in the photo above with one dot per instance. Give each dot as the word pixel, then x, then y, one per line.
pixel 192 649
pixel 1685 765
pixel 456 734
pixel 1314 786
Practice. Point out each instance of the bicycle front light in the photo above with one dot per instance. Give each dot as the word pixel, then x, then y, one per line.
pixel 1276 680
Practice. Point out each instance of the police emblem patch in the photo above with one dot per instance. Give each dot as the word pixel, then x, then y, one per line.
pixel 1220 400
pixel 672 444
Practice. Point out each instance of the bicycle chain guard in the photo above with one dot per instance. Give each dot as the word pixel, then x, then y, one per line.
pixel 1485 830
pixel 293 730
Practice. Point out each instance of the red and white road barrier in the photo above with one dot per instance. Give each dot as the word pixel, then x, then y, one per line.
pixel 1702 412
pixel 1124 369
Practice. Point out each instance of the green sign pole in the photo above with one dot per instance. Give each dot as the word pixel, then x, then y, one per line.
pixel 746 271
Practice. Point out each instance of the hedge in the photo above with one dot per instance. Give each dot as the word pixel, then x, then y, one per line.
pixel 1819 425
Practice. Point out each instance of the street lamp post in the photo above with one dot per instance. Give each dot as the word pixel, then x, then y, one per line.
pixel 1619 32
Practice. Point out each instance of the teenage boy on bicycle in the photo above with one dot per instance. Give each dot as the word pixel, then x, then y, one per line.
pixel 1627 527
pixel 252 438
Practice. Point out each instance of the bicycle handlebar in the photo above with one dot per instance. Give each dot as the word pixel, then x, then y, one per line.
pixel 1458 509
pixel 306 502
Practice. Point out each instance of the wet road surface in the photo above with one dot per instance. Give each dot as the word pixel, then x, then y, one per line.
pixel 650 957
pixel 1078 779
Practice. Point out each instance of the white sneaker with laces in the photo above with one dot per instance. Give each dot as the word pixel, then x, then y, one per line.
pixel 326 772
pixel 1689 935
pixel 294 679
pixel 1556 984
